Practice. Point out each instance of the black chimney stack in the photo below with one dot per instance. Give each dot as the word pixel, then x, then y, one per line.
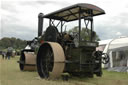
pixel 40 24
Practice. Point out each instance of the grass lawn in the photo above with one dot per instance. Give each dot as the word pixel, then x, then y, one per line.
pixel 10 74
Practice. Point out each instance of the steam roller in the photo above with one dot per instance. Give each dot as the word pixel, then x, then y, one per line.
pixel 59 52
pixel 50 60
pixel 27 60
pixel 64 53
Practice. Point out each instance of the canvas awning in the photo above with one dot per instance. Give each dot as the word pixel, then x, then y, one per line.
pixel 116 44
pixel 117 49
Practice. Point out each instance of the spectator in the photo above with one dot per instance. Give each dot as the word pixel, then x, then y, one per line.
pixel 8 55
pixel 3 55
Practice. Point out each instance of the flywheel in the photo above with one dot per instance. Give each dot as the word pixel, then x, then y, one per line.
pixel 50 60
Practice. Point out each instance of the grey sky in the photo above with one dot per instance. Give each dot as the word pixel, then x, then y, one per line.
pixel 18 18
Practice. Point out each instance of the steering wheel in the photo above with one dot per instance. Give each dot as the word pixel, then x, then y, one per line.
pixel 105 58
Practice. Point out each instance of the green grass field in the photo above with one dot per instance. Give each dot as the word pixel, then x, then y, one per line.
pixel 10 74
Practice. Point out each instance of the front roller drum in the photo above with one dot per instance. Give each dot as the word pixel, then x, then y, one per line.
pixel 27 60
pixel 50 60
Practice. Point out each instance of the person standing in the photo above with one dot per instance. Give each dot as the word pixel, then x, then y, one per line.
pixel 8 55
pixel 3 55
pixel 9 52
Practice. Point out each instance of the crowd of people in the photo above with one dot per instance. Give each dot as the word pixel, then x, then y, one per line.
pixel 6 55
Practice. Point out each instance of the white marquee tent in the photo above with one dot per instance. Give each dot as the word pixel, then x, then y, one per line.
pixel 117 49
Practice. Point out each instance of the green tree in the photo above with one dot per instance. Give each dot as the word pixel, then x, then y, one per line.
pixel 12 42
pixel 85 33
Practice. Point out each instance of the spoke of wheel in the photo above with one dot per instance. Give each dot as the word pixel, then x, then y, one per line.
pixel 48 60
pixel 43 70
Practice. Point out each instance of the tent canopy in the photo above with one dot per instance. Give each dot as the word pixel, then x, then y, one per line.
pixel 116 44
pixel 117 50
pixel 119 43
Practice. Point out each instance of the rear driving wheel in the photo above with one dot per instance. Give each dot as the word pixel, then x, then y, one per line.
pixel 47 62
pixel 50 60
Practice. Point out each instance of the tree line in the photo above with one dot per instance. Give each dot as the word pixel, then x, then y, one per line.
pixel 13 42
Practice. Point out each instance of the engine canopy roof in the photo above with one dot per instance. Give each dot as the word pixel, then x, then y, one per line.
pixel 71 13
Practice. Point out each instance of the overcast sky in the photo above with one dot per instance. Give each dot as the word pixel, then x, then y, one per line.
pixel 18 18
